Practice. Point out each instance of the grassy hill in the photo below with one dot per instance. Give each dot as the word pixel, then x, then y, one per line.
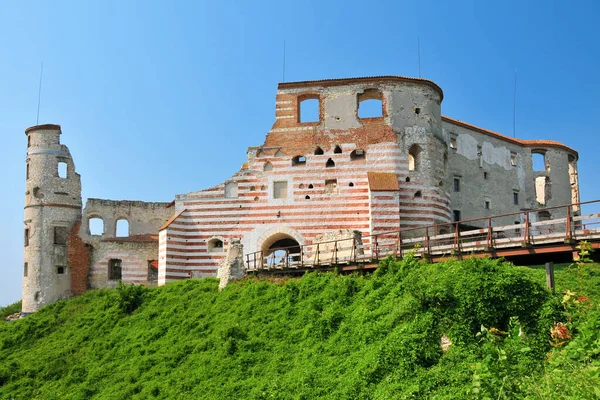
pixel 320 336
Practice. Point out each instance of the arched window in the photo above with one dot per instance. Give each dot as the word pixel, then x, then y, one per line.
pixel 413 157
pixel 268 166
pixel 308 108
pixel 337 150
pixel 318 151
pixel 215 245
pixel 330 164
pixel 418 194
pixel 122 228
pixel 299 160
pixel 96 226
pixel 370 104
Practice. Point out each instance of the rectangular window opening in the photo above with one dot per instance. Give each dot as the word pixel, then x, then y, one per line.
pixel 280 190
pixel 60 270
pixel 456 185
pixel 114 270
pixel 60 235
pixel 515 198
pixel 453 142
pixel 331 186
pixel 152 271
pixel 25 269
pixel 456 215
pixel 485 175
pixel 26 238
pixel 513 159
pixel 487 204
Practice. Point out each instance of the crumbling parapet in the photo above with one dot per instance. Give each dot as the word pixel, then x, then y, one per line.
pixel 233 267
pixel 342 244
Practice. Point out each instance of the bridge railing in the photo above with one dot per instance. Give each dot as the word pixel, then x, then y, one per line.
pixel 520 229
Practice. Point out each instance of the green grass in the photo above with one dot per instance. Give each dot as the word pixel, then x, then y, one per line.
pixel 318 336
pixel 10 309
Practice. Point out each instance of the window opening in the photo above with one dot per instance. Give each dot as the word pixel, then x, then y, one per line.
pixel 299 160
pixel 60 235
pixel 280 190
pixel 453 142
pixel 309 110
pixel 319 151
pixel 351 184
pixel 518 230
pixel 25 269
pixel 539 161
pixel 256 198
pixel 152 271
pixel 310 186
pixel 357 154
pixel 456 185
pixel 122 229
pixel 513 159
pixel 418 193
pixel 413 157
pixel 331 186
pixel 330 163
pixel 26 237
pixel 62 170
pixel 487 204
pixel 485 175
pixel 337 150
pixel 455 215
pixel 370 108
pixel 268 166
pixel 231 190
pixel 114 270
pixel 27 172
pixel 263 187
pixel 279 153
pixel 28 141
pixel 307 197
pixel 445 160
pixel 215 245
pixel 515 198
pixel 96 226
pixel 60 270
pixel 417 111
pixel 407 179
pixel 252 188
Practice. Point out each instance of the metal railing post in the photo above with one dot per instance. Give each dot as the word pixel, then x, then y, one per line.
pixel 526 237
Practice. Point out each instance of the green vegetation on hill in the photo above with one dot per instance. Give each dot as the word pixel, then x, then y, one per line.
pixel 319 336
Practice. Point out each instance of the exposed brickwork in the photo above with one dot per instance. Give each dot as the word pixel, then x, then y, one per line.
pixel 78 257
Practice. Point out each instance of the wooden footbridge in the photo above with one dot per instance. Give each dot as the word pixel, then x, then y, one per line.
pixel 527 236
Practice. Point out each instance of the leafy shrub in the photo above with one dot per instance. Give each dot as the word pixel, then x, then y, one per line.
pixel 10 310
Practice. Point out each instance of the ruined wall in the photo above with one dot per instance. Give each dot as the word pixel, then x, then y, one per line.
pixel 142 217
pixel 495 173
pixel 134 256
pixel 134 250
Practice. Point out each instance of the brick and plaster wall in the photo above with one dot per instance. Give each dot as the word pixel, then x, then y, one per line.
pixel 135 249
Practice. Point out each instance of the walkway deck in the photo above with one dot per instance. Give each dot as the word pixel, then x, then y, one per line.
pixel 524 233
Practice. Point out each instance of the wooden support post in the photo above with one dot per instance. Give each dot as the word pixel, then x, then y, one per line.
pixel 569 227
pixel 550 276
pixel 335 251
pixel 317 255
pixel 376 249
pixel 527 237
pixel 456 250
pixel 427 247
pixel 400 244
pixel 490 236
pixel 262 259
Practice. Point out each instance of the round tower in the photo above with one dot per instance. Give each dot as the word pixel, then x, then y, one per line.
pixel 52 206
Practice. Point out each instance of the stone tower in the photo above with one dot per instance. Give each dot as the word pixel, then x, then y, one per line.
pixel 52 207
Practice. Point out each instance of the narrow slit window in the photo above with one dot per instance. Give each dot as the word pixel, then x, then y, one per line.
pixel 62 169
pixel 26 238
pixel 413 157
pixel 25 269
pixel 515 198
pixel 456 185
pixel 152 271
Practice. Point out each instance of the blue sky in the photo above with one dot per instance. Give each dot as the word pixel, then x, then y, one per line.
pixel 160 98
